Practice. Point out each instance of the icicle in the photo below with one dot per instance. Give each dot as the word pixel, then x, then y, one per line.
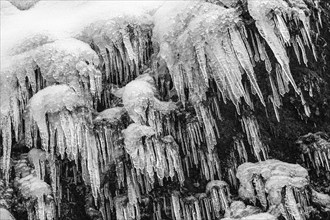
pixel 176 205
pixel 242 55
pixel 291 205
pixel 6 143
pixel 295 48
pixel 173 158
pixel 266 30
pixel 250 125
pixel 270 178
pixel 280 24
pixel 209 132
pixel 302 48
pixel 133 142
pixel 200 52
pixel 37 158
pixel 219 198
pixel 260 189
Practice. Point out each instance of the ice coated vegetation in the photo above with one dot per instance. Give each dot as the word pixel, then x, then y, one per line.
pixel 194 110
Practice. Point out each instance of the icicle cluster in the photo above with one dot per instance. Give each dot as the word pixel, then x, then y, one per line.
pixel 278 186
pixel 108 126
pixel 251 127
pixel 315 149
pixel 68 131
pixel 271 17
pixel 191 136
pixel 123 44
pixel 210 205
pixel 61 54
pixel 62 61
pixel 209 41
pixel 160 156
pixel 206 49
pixel 238 155
pixel 219 193
pixel 125 210
pixel 36 192
pixel 205 42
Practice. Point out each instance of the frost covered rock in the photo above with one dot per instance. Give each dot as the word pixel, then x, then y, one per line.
pixel 133 143
pixel 50 100
pixel 69 128
pixel 267 180
pixel 260 216
pixel 321 199
pixel 139 99
pixel 37 194
pixel 124 210
pixel 239 210
pixel 201 43
pixel 110 115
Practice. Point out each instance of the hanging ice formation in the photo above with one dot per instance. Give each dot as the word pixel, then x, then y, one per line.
pixel 199 47
pixel 62 56
pixel 238 155
pixel 251 128
pixel 209 205
pixel 108 126
pixel 62 61
pixel 315 150
pixel 37 158
pixel 208 52
pixel 37 193
pixel 156 155
pixel 271 19
pixel 139 100
pixel 278 186
pixel 68 132
pixel 219 193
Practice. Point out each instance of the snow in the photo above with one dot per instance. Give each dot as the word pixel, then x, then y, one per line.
pixel 5 214
pixel 58 19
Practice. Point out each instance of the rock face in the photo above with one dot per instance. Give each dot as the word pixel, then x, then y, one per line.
pixel 134 150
